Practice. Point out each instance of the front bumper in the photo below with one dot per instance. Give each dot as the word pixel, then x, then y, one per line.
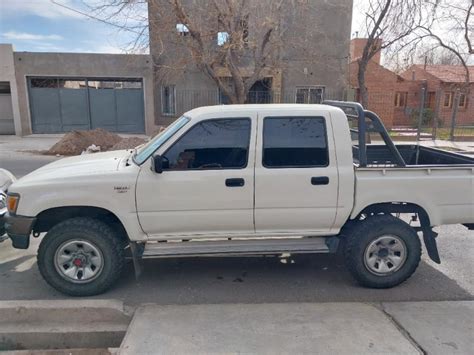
pixel 19 229
pixel 3 211
pixel 2 226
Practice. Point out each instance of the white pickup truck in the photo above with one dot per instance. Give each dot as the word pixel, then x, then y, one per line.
pixel 240 180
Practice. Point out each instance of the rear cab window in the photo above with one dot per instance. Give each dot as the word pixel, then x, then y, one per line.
pixel 295 142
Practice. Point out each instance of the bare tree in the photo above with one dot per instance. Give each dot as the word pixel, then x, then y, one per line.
pixel 454 31
pixel 444 57
pixel 387 23
pixel 220 45
pixel 213 36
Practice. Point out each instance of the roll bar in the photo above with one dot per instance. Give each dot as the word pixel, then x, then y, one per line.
pixel 367 122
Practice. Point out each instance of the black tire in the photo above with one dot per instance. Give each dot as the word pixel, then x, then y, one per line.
pixel 360 235
pixel 90 230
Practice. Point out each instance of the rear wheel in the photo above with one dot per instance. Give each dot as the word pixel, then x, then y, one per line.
pixel 382 251
pixel 81 257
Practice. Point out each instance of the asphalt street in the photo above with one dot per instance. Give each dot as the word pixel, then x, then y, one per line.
pixel 303 278
pixel 16 153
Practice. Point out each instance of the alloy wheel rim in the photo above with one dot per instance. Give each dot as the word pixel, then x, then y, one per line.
pixel 78 261
pixel 385 255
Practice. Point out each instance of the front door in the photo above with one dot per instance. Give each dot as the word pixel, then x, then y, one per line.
pixel 296 177
pixel 206 188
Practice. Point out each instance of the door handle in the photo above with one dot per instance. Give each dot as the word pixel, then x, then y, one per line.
pixel 319 180
pixel 235 182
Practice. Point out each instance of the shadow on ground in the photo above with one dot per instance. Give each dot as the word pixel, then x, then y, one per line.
pixel 302 278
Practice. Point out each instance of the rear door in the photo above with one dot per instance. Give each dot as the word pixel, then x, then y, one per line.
pixel 296 177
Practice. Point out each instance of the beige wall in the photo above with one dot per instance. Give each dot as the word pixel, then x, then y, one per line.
pixel 7 74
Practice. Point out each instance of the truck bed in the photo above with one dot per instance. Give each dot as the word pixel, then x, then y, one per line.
pixel 439 181
pixel 445 192
pixel 413 155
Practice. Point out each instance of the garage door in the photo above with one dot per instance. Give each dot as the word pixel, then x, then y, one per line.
pixel 64 104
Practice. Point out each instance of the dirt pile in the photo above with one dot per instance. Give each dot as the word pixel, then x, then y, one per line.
pixel 128 143
pixel 75 142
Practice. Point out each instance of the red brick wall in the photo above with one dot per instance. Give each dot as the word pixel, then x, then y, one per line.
pixel 465 115
pixel 402 115
pixel 382 85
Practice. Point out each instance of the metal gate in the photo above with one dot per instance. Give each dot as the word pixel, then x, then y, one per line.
pixel 64 104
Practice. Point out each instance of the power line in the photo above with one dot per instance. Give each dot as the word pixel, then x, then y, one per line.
pixel 94 17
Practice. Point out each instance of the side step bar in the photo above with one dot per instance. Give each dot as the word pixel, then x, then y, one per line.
pixel 237 247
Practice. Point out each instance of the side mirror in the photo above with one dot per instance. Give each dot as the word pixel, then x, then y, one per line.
pixel 157 164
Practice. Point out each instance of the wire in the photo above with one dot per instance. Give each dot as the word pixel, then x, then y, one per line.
pixel 94 17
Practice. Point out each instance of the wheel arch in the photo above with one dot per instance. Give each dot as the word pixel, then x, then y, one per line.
pixel 395 207
pixel 48 218
pixel 429 236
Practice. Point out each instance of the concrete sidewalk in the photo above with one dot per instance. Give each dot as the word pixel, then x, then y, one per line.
pixel 87 326
pixel 298 328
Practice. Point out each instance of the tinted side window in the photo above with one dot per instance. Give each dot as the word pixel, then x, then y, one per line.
pixel 212 144
pixel 294 142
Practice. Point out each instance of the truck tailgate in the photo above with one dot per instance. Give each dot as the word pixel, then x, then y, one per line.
pixel 446 193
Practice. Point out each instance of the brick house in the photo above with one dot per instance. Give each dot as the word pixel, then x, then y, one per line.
pixel 446 81
pixel 397 97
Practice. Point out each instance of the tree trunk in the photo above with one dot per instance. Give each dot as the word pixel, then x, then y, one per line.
pixel 240 94
pixel 364 95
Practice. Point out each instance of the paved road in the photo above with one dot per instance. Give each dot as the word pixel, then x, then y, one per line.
pixel 16 156
pixel 304 278
pixel 20 166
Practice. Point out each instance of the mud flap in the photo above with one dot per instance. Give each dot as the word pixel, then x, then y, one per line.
pixel 429 237
pixel 137 251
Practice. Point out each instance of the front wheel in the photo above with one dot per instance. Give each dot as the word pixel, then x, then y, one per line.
pixel 382 251
pixel 81 257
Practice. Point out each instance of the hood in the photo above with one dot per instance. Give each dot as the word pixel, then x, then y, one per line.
pixel 81 165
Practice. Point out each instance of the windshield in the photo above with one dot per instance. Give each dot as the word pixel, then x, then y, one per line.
pixel 148 149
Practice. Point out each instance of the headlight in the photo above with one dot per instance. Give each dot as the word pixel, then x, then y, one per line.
pixel 12 202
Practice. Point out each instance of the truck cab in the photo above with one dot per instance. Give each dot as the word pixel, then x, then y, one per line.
pixel 248 171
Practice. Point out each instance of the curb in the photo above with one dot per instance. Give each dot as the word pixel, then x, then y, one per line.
pixel 62 324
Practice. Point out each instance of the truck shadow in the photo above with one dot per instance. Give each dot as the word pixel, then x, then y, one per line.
pixel 301 278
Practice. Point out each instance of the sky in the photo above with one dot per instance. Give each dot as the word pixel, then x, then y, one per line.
pixel 42 26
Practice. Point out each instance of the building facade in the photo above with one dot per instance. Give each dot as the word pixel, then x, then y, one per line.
pixel 311 63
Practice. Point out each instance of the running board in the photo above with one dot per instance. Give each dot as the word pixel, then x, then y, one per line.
pixel 237 247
